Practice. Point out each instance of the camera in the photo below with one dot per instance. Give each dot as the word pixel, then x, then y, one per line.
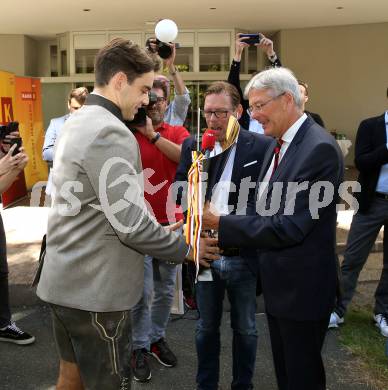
pixel 163 49
pixel 8 129
pixel 141 115
pixel 252 38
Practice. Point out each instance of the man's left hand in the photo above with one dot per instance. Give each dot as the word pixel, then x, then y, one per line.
pixel 209 220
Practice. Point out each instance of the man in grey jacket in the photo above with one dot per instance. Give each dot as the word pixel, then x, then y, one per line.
pixel 99 227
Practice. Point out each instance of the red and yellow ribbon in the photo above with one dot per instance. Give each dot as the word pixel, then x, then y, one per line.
pixel 194 205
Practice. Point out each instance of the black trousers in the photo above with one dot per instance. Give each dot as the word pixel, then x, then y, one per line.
pixel 5 313
pixel 296 350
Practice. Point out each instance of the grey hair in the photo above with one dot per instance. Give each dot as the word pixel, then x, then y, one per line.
pixel 278 81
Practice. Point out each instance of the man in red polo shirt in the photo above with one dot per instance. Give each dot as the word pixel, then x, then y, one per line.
pixel 160 150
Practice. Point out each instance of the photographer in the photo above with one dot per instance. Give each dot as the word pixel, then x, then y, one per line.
pixel 234 76
pixel 10 167
pixel 160 150
pixel 176 111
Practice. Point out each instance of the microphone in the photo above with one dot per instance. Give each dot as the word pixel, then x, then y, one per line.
pixel 208 142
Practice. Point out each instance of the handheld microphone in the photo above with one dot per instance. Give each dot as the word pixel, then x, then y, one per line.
pixel 208 142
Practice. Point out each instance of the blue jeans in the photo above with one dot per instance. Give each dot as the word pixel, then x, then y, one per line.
pixel 150 315
pixel 233 275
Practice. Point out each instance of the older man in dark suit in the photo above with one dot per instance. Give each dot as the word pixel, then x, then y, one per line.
pixel 294 229
pixel 371 158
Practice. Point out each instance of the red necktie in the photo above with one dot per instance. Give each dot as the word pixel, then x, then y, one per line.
pixel 276 154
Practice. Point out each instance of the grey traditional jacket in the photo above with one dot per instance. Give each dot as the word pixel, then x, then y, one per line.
pixel 98 228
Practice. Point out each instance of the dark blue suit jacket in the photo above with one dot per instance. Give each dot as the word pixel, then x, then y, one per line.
pixel 370 154
pixel 250 151
pixel 296 252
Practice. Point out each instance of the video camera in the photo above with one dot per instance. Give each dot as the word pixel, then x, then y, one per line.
pixel 163 49
pixel 141 115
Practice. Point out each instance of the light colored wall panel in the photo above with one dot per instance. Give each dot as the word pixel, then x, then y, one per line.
pixel 346 69
pixel 186 39
pixel 31 58
pixel 209 39
pixel 54 100
pixel 89 41
pixel 43 53
pixel 12 54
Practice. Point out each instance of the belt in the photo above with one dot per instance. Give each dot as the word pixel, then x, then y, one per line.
pixel 381 195
pixel 230 252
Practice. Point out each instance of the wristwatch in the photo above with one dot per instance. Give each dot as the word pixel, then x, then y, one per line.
pixel 157 136
pixel 273 57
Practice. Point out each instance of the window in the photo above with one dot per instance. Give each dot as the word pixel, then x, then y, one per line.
pixel 249 60
pixel 84 60
pixel 184 59
pixel 53 61
pixel 214 59
pixel 64 63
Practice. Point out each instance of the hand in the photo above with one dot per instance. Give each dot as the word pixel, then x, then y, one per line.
pixel 239 47
pixel 209 220
pixel 9 162
pixel 23 159
pixel 208 251
pixel 148 130
pixel 169 62
pixel 6 144
pixel 175 226
pixel 266 45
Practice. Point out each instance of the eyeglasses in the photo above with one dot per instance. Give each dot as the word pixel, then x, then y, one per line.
pixel 220 114
pixel 160 99
pixel 259 106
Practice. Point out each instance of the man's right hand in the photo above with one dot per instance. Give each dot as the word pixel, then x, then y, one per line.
pixel 9 162
pixel 208 251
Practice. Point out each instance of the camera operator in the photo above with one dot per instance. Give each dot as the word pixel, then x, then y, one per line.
pixel 160 150
pixel 266 45
pixel 10 167
pixel 176 111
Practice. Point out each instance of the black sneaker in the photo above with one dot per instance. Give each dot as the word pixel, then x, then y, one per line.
pixel 13 334
pixel 163 354
pixel 140 367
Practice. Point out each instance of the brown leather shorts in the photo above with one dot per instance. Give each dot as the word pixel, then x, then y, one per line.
pixel 99 343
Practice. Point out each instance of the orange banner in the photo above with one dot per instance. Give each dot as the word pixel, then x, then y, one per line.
pixel 7 97
pixel 28 112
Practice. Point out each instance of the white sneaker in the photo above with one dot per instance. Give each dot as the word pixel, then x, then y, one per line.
pixel 382 324
pixel 335 320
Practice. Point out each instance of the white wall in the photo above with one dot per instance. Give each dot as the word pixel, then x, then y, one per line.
pixel 346 68
pixel 31 58
pixel 12 54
